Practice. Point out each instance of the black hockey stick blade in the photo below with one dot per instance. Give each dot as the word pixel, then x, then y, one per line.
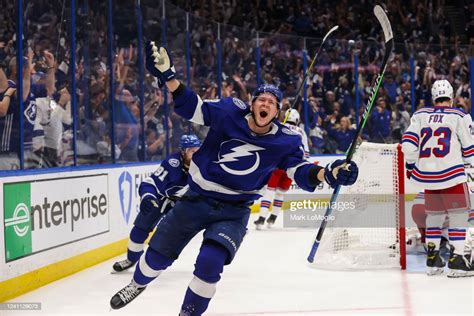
pixel 388 38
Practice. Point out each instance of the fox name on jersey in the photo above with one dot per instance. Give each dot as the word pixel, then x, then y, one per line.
pixel 436 145
pixel 235 163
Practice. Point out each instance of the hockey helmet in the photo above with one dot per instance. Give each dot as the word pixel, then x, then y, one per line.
pixel 293 116
pixel 270 89
pixel 189 141
pixel 441 89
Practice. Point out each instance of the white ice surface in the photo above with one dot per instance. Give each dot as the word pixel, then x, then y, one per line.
pixel 269 276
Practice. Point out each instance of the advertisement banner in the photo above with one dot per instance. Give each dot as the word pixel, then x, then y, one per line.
pixel 128 184
pixel 42 215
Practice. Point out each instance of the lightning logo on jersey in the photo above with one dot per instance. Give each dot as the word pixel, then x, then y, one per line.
pixel 234 150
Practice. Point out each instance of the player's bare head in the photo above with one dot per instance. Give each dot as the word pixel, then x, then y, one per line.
pixel 442 93
pixel 266 102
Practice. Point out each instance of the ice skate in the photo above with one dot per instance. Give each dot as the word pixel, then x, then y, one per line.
pixel 126 295
pixel 123 265
pixel 434 262
pixel 259 222
pixel 460 266
pixel 271 220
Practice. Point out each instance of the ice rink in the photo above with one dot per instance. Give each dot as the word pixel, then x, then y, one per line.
pixel 269 276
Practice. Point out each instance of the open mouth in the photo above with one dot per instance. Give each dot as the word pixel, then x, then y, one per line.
pixel 263 114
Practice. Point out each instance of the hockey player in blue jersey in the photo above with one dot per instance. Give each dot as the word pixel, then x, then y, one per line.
pixel 242 148
pixel 158 194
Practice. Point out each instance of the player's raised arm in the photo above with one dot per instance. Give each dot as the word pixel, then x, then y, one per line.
pixel 188 104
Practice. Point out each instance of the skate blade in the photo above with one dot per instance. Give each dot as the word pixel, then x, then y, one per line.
pixel 126 271
pixel 434 271
pixel 460 274
pixel 258 227
pixel 269 225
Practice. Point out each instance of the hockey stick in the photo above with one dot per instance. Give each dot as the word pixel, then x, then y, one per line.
pixel 388 36
pixel 307 71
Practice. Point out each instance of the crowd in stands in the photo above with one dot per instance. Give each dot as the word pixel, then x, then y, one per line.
pixel 422 31
pixel 109 111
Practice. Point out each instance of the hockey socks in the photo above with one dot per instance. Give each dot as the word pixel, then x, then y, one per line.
pixel 266 202
pixel 136 244
pixel 134 251
pixel 434 222
pixel 457 238
pixel 209 265
pixel 150 267
pixel 433 235
pixel 277 202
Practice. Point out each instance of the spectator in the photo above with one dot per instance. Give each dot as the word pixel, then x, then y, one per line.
pixel 54 115
pixel 400 120
pixel 343 135
pixel 380 123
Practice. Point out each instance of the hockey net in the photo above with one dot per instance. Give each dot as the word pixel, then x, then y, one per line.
pixel 372 234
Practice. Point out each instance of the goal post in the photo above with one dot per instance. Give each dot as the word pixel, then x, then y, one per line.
pixel 372 234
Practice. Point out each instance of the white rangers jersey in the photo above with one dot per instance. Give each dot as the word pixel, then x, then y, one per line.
pixel 304 137
pixel 437 143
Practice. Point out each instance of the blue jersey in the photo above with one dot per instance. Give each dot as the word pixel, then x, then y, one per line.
pixel 234 163
pixel 380 124
pixel 343 138
pixel 169 181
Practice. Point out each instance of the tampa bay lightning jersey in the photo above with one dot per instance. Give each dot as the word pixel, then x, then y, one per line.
pixel 234 163
pixel 10 123
pixel 168 182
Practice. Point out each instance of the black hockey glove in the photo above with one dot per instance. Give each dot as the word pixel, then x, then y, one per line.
pixel 150 205
pixel 336 173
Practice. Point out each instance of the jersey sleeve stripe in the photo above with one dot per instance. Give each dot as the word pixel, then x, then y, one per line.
pixel 152 184
pixel 411 134
pixel 410 139
pixel 148 194
pixel 291 171
pixel 198 116
pixel 468 154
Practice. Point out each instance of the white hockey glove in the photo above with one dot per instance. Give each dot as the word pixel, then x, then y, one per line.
pixel 159 62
